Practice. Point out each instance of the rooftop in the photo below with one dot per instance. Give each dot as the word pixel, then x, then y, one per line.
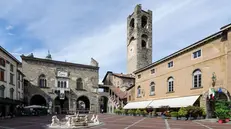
pixel 32 58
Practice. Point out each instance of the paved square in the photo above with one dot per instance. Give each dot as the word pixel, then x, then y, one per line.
pixel 114 122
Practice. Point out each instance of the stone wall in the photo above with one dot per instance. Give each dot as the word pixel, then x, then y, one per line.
pixel 33 69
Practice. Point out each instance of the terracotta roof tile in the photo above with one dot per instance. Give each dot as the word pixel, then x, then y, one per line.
pixel 118 92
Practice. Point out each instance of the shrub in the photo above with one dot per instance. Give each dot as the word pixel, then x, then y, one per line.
pixel 174 114
pixel 182 112
pixel 138 112
pixel 130 111
pixel 123 111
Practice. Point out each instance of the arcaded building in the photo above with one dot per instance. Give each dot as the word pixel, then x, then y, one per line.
pixel 184 77
pixel 62 86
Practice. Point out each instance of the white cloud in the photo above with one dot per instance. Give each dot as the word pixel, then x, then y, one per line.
pixel 9 27
pixel 63 28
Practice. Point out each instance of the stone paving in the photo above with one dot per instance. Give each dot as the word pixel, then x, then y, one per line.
pixel 115 122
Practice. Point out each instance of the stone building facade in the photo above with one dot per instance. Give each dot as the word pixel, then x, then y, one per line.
pixel 114 90
pixel 61 86
pixel 11 83
pixel 186 76
pixel 139 39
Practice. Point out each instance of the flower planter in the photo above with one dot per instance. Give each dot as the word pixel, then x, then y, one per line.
pixel 221 121
pixel 174 118
pixel 183 118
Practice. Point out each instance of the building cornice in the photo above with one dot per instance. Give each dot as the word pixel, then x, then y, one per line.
pixel 59 62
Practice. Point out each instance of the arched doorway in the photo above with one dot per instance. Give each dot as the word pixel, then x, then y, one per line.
pixel 61 105
pixel 210 103
pixel 38 100
pixel 103 102
pixel 83 104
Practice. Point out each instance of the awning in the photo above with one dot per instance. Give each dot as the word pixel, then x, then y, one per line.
pixel 137 105
pixel 175 102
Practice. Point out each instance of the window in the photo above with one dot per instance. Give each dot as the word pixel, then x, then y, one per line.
pixel 197 54
pixel 139 76
pixel 79 83
pixel 143 44
pixel 2 62
pixel 130 98
pixel 2 89
pixel 42 81
pixel 138 92
pixel 197 78
pixel 19 95
pixel 58 83
pixel 18 84
pixel 153 71
pixel 144 21
pixel 2 74
pixel 132 23
pixel 11 93
pixel 11 68
pixel 61 84
pixel 170 64
pixel 152 88
pixel 170 84
pixel 11 78
pixel 65 84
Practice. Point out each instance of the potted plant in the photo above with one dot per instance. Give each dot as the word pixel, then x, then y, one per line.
pixel 182 113
pixel 174 115
pixel 144 113
pixel 153 113
pixel 221 114
pixel 130 112
pixel 138 112
pixel 122 112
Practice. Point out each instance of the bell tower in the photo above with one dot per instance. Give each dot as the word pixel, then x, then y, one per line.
pixel 139 39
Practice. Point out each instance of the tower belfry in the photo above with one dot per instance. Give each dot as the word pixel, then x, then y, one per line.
pixel 139 39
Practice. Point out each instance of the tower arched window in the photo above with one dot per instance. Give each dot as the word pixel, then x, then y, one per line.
pixel 58 83
pixel 197 78
pixel 79 84
pixel 138 91
pixel 132 23
pixel 42 81
pixel 144 21
pixel 170 84
pixel 11 93
pixel 152 88
pixel 143 44
pixel 132 38
pixel 2 90
pixel 2 62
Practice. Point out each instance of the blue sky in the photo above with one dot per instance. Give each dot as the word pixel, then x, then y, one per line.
pixel 76 30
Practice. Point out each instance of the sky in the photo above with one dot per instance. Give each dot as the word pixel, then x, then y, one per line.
pixel 78 30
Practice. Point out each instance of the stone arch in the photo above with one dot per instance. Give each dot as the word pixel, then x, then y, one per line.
pixel 38 99
pixel 144 21
pixel 103 103
pixel 210 105
pixel 61 105
pixel 83 103
pixel 131 39
pixel 132 23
